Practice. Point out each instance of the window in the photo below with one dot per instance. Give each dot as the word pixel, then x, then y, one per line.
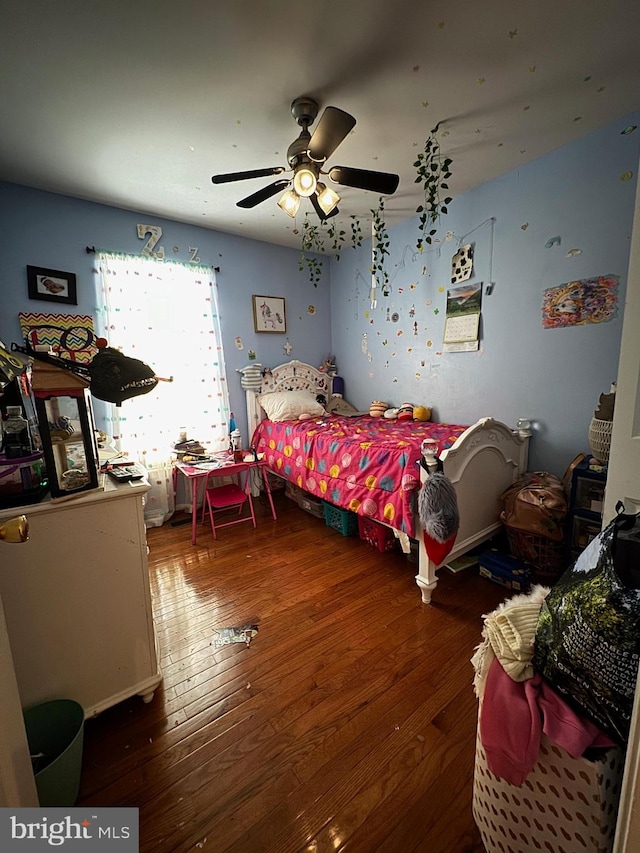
pixel 166 315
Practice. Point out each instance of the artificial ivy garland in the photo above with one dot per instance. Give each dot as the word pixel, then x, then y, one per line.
pixel 433 172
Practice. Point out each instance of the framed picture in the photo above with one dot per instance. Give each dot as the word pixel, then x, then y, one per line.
pixel 52 285
pixel 269 314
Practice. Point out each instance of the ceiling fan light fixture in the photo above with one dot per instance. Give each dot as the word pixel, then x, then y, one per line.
pixel 327 198
pixel 304 181
pixel 289 202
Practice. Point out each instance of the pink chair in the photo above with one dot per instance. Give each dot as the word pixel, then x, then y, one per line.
pixel 230 495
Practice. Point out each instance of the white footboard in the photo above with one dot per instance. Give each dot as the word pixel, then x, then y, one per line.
pixel 486 459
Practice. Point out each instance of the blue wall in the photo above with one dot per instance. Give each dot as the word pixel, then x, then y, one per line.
pixel 581 193
pixel 52 231
pixel 553 376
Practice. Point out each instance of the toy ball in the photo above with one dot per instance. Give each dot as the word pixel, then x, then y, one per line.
pixel 422 413
pixel 405 413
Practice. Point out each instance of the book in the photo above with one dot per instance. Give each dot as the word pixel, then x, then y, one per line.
pixel 462 563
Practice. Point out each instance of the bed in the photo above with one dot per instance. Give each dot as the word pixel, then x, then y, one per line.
pixel 375 466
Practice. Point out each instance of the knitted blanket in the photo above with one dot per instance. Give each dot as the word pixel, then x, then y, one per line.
pixel 509 635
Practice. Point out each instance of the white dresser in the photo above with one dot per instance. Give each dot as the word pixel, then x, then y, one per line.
pixel 77 600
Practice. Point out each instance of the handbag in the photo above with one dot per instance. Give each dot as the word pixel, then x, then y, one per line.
pixel 587 643
pixel 536 503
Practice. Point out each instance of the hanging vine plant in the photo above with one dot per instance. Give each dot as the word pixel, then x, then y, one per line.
pixel 312 242
pixel 380 248
pixel 433 172
pixel 356 232
pixel 337 237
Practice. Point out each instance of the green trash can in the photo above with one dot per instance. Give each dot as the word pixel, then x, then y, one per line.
pixel 55 733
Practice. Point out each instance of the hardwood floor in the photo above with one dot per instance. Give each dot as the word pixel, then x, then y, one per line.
pixel 347 724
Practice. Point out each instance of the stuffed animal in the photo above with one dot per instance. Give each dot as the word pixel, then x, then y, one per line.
pixel 378 408
pixel 422 413
pixel 391 414
pixel 405 412
pixel 439 516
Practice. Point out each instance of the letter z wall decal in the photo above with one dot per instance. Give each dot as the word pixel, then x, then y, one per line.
pixel 148 249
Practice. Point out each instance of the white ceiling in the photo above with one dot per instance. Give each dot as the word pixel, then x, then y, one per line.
pixel 137 104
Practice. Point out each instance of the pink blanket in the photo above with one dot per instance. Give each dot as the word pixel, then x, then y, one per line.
pixel 368 465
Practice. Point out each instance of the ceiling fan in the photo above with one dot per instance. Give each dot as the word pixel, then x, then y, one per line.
pixel 307 155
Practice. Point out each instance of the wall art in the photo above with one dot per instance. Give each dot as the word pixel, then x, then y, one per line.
pixel 269 314
pixel 462 264
pixel 71 336
pixel 52 285
pixel 576 303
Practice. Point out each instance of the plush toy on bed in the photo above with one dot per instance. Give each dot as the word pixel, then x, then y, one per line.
pixel 378 408
pixel 438 513
pixel 422 413
pixel 405 412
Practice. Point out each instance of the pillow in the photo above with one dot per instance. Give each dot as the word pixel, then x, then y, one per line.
pixel 289 405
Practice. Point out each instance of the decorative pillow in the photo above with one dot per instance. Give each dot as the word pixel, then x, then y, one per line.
pixel 339 406
pixel 289 405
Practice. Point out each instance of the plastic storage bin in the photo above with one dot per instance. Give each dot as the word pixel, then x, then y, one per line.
pixel 22 481
pixel 55 733
pixel 312 505
pixel 375 534
pixel 342 520
pixel 505 570
pixel 295 493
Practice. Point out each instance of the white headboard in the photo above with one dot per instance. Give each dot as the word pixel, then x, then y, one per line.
pixel 292 376
pixel 297 376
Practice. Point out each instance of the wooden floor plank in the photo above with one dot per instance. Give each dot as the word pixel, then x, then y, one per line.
pixel 348 724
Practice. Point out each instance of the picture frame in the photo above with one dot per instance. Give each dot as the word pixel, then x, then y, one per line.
pixel 269 314
pixel 52 285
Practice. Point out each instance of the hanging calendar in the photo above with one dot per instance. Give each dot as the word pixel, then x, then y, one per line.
pixel 462 324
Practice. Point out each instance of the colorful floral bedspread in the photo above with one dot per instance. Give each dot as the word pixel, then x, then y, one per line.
pixel 368 465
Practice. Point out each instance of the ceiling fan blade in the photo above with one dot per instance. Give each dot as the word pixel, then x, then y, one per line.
pixel 263 194
pixel 321 214
pixel 362 179
pixel 243 176
pixel 333 127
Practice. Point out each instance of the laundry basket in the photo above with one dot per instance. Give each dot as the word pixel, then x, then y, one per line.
pixel 534 513
pixel 548 557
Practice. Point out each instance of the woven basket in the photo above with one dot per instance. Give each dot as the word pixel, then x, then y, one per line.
pixel 547 557
pixel 600 439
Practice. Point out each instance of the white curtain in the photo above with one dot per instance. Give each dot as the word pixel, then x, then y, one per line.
pixel 165 314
